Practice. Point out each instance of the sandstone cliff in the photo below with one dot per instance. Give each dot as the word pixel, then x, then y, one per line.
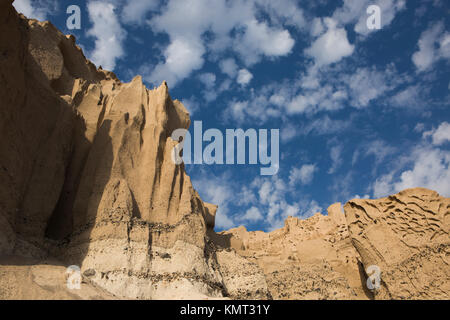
pixel 87 173
pixel 405 235
pixel 88 180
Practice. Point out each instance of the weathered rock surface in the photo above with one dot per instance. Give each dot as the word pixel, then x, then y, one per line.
pixel 88 179
pixel 407 236
pixel 306 259
pixel 87 171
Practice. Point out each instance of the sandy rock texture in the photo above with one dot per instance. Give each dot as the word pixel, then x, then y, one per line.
pixel 407 236
pixel 87 171
pixel 88 180
pixel 306 259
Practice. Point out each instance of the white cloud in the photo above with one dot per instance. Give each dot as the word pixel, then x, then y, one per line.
pixel 317 27
pixel 253 214
pixel 379 149
pixel 259 39
pixel 108 33
pixel 286 11
pixel 425 166
pixel 134 11
pixel 237 110
pixel 430 169
pixel 409 97
pixel 35 9
pixel 389 9
pixel 244 77
pixel 288 132
pixel 256 107
pixel 310 209
pixel 336 158
pixel 331 46
pixel 191 104
pixel 215 190
pixel 186 22
pixel 440 135
pixel 304 174
pixel 354 12
pixel 433 46
pixel 229 67
pixel 208 79
pixel 367 84
pixel 181 58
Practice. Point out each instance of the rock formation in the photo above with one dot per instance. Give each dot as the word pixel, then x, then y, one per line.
pixel 88 179
pixel 87 170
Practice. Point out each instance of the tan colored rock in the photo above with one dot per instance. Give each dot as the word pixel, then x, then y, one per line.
pixel 407 236
pixel 306 259
pixel 31 279
pixel 88 170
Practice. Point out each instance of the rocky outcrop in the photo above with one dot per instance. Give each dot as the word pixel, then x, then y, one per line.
pixel 306 259
pixel 391 248
pixel 87 170
pixel 88 180
pixel 407 236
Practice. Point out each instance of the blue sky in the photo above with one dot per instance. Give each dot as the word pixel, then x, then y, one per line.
pixel 361 113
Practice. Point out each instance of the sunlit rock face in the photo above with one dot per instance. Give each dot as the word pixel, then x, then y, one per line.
pixel 88 174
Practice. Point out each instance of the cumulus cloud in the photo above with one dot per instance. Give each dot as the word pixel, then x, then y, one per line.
pixel 354 12
pixel 331 46
pixel 230 25
pixel 181 58
pixel 259 39
pixel 108 33
pixel 367 84
pixel 229 67
pixel 433 46
pixel 440 135
pixel 253 214
pixel 304 174
pixel 257 107
pixel 244 77
pixel 135 11
pixel 426 166
pixel 430 169
pixel 208 79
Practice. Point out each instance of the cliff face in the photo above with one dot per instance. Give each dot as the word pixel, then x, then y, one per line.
pixel 403 239
pixel 407 236
pixel 87 170
pixel 88 178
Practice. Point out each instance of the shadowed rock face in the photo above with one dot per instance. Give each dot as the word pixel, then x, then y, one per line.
pixel 88 178
pixel 87 170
